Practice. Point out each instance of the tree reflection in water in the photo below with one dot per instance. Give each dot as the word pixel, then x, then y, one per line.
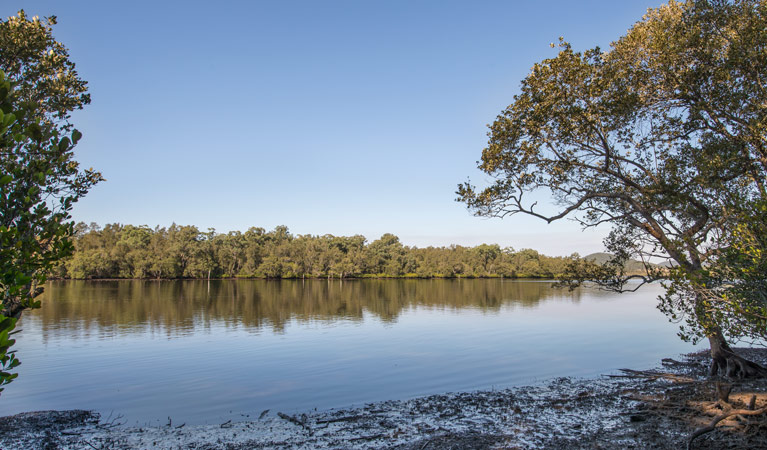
pixel 177 307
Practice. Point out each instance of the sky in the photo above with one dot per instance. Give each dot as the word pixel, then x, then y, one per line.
pixel 329 117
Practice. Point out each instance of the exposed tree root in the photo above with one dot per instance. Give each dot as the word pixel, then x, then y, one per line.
pixel 723 394
pixel 736 367
pixel 712 425
pixel 723 400
pixel 726 362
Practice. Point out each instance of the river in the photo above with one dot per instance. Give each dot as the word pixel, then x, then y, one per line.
pixel 206 352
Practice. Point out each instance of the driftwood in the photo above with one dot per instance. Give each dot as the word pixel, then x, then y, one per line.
pixel 368 438
pixel 343 419
pixel 674 362
pixel 112 422
pixel 295 421
pixel 652 375
pixel 93 446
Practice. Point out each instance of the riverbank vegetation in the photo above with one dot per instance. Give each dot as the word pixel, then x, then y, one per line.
pixel 184 251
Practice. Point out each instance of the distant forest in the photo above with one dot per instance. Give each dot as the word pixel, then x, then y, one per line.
pixel 140 252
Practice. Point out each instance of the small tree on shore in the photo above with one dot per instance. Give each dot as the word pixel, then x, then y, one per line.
pixel 39 178
pixel 663 138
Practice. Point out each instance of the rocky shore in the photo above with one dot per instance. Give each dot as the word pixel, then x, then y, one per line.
pixel 659 408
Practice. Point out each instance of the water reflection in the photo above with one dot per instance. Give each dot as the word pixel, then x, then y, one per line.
pixel 178 307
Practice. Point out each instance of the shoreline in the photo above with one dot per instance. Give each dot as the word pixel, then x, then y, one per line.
pixel 658 408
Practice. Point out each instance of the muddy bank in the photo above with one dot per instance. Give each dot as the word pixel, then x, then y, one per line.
pixel 657 408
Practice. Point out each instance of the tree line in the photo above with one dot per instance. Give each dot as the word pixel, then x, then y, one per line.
pixel 184 251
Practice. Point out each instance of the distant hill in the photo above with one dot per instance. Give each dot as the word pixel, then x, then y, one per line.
pixel 632 266
pixel 599 258
pixel 667 264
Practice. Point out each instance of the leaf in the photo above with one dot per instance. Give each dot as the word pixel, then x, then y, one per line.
pixel 5 179
pixel 34 131
pixel 7 324
pixel 64 144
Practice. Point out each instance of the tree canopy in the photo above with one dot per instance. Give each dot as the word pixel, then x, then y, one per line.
pixel 184 251
pixel 661 137
pixel 44 77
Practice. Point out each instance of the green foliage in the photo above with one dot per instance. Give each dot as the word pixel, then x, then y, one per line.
pixel 39 179
pixel 127 251
pixel 8 360
pixel 662 139
pixel 731 290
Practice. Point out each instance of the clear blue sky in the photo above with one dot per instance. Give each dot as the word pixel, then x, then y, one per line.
pixel 353 117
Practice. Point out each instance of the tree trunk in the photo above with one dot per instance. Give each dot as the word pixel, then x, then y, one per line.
pixel 14 306
pixel 724 361
pixel 12 310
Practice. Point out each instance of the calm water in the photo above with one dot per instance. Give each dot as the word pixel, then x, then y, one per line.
pixel 204 352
